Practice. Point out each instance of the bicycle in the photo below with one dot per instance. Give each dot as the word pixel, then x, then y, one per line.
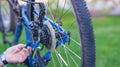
pixel 46 34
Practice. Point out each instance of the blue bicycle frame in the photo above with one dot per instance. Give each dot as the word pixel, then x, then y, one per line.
pixel 34 45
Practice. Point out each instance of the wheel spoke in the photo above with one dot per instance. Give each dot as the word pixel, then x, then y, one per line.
pixel 65 13
pixel 58 58
pixel 75 41
pixel 61 58
pixel 69 27
pixel 53 60
pixel 50 11
pixel 57 9
pixel 64 47
pixel 73 53
pixel 66 55
pixel 63 7
pixel 73 61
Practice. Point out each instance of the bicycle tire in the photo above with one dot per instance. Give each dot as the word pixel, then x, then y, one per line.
pixel 86 34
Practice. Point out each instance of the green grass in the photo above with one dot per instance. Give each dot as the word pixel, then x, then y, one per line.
pixel 107 37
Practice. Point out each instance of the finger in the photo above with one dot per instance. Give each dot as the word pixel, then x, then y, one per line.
pixel 30 50
pixel 16 50
pixel 23 54
pixel 13 49
pixel 22 57
pixel 20 46
pixel 26 51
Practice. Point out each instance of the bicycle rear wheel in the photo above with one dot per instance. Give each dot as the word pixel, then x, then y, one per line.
pixel 73 16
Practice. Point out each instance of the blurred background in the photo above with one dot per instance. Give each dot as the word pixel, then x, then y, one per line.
pixel 106 22
pixel 105 15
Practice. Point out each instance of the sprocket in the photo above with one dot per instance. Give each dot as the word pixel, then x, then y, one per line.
pixel 47 36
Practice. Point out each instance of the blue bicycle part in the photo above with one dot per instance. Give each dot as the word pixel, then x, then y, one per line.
pixel 50 26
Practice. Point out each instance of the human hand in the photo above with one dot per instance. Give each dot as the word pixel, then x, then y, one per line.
pixel 17 54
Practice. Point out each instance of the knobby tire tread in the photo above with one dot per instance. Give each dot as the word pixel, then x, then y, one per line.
pixel 86 33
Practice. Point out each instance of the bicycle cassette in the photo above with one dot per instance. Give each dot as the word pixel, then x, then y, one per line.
pixel 47 36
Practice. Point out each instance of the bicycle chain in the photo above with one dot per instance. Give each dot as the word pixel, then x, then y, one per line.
pixel 42 12
pixel 36 25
